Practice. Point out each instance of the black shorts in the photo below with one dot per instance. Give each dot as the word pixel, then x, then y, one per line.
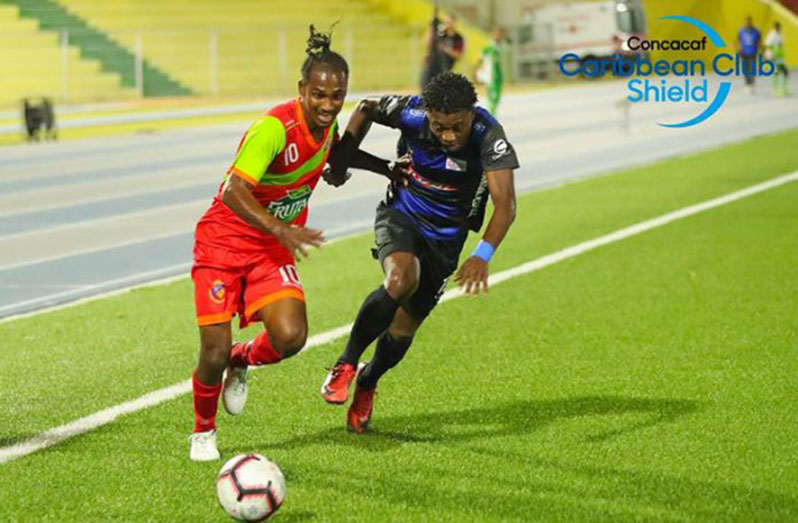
pixel 394 232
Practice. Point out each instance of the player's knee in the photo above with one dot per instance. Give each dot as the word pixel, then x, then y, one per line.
pixel 289 338
pixel 215 356
pixel 401 284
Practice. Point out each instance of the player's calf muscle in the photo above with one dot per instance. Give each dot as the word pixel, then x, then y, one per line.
pixel 215 343
pixel 212 362
pixel 404 326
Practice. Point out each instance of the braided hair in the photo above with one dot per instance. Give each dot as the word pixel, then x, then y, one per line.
pixel 318 51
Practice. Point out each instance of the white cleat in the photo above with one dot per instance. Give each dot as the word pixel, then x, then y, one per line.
pixel 203 446
pixel 234 390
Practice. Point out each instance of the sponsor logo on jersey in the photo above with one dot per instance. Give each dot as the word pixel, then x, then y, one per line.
pixel 455 165
pixel 290 206
pixel 217 291
pixel 500 148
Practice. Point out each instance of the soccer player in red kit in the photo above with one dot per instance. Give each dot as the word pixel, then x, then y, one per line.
pixel 246 241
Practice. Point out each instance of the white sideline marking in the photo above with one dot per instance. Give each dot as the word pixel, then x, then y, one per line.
pixel 103 417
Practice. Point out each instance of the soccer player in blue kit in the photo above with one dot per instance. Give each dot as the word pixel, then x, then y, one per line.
pixel 455 155
pixel 749 43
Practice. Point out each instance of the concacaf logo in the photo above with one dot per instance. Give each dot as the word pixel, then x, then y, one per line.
pixel 217 291
pixel 290 206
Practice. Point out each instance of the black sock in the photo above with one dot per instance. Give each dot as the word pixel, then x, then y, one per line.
pixel 389 352
pixel 375 315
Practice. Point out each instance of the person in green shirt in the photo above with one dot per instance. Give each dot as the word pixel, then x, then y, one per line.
pixel 489 69
pixel 774 51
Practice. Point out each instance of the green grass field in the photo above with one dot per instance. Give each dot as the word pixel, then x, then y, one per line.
pixel 650 379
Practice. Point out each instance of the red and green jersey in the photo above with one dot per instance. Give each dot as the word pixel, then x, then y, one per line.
pixel 279 156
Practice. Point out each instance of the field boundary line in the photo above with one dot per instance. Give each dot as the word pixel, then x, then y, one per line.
pixel 98 419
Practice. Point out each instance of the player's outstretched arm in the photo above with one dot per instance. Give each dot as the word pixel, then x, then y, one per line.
pixel 473 274
pixel 237 194
pixel 347 152
pixel 397 171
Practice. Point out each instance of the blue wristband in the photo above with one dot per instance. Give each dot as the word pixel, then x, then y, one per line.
pixel 484 251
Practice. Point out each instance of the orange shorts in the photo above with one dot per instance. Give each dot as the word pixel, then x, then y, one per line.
pixel 228 283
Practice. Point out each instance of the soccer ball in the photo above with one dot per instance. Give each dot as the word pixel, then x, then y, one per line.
pixel 250 487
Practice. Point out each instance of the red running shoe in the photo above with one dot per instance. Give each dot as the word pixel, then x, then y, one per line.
pixel 359 414
pixel 336 387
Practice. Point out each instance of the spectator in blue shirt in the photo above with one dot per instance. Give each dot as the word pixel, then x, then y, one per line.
pixel 749 42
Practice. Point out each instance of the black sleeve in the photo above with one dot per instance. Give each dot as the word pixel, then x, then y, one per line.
pixel 389 112
pixel 497 153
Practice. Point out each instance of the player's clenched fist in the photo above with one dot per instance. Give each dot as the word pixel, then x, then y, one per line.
pixel 401 170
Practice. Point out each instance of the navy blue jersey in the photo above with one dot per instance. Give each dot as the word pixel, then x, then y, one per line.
pixel 447 193
pixel 749 38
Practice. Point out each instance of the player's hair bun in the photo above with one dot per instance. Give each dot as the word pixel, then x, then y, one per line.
pixel 319 52
pixel 318 43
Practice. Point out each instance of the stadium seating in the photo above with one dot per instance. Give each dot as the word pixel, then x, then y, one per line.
pixel 205 47
pixel 32 63
pixel 250 47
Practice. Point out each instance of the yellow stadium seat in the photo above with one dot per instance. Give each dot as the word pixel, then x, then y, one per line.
pixel 256 47
pixel 32 63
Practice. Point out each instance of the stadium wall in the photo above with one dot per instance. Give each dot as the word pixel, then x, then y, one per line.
pixel 789 28
pixel 726 17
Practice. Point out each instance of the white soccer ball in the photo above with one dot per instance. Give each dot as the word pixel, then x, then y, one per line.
pixel 250 487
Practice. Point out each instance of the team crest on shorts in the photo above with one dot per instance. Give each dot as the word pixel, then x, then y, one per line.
pixel 217 291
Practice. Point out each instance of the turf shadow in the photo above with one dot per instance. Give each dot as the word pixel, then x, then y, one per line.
pixel 507 419
pixel 540 487
pixel 568 491
pixel 523 417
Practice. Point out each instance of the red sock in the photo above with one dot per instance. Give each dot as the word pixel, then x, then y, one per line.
pixel 206 400
pixel 254 352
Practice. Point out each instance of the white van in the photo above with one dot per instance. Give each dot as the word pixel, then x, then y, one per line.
pixel 588 29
